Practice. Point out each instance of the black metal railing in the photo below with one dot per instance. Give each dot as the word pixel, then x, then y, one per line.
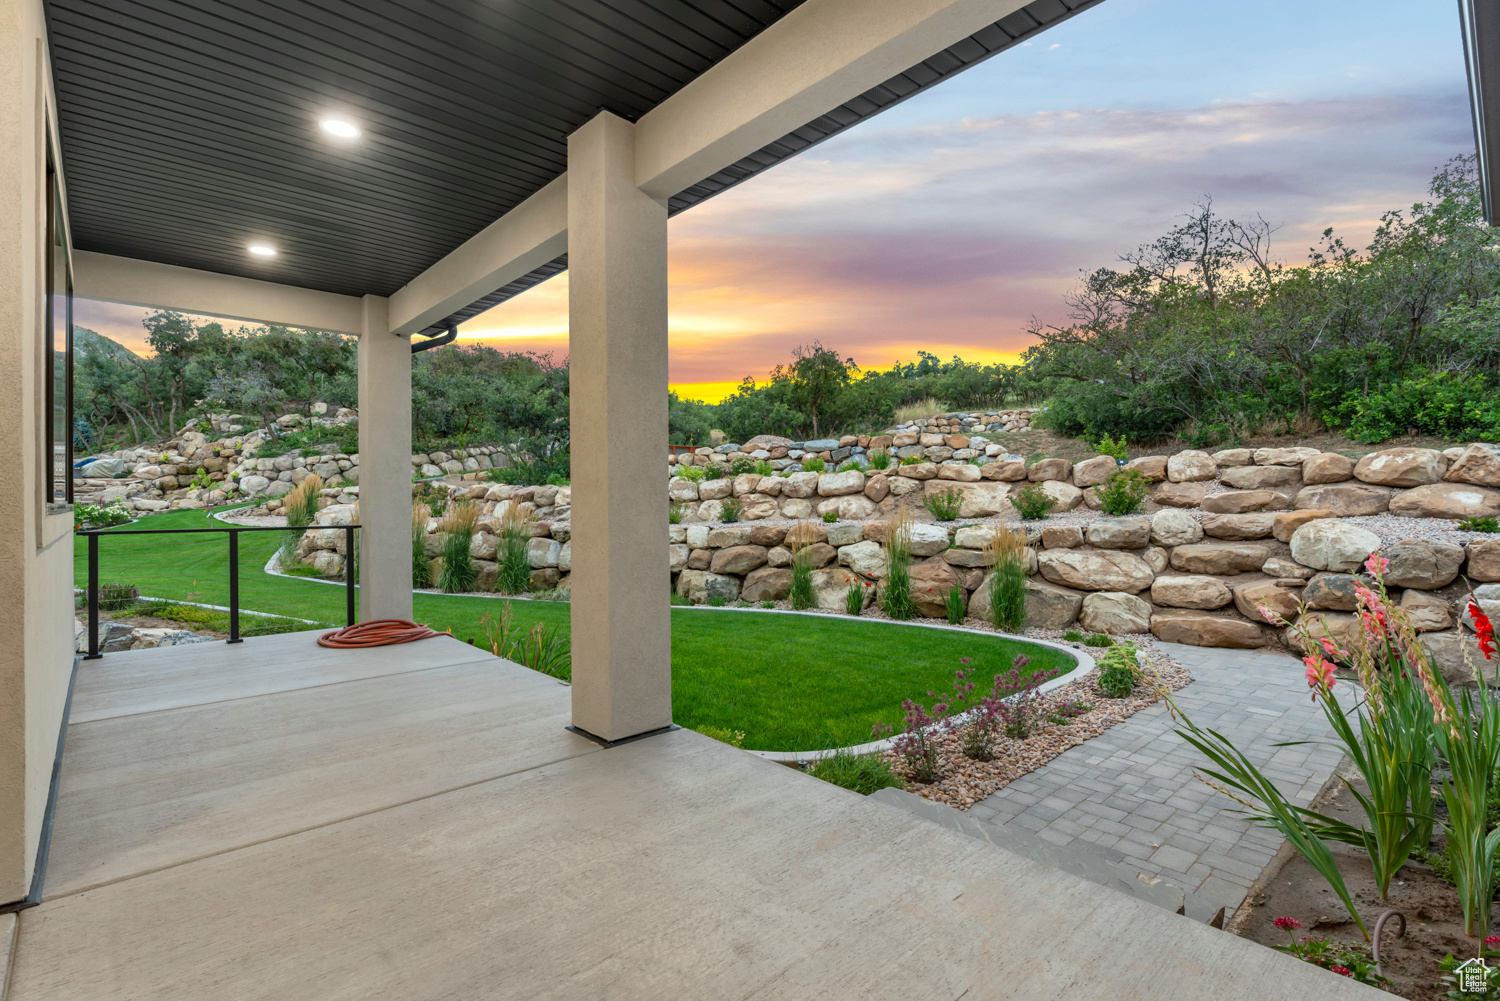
pixel 94 535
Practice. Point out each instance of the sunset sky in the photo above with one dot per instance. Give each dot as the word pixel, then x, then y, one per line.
pixel 948 221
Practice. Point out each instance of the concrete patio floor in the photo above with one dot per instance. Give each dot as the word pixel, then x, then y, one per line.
pixel 274 820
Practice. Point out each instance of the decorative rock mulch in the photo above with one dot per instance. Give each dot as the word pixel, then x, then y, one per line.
pixel 963 781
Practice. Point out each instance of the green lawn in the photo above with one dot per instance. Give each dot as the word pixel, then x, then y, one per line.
pixel 789 682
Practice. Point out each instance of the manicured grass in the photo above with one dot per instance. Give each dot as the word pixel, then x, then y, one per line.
pixel 789 682
pixel 804 682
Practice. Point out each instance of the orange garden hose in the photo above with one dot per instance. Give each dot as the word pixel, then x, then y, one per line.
pixel 377 632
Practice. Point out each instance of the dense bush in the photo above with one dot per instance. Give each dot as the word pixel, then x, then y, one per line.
pixel 1464 407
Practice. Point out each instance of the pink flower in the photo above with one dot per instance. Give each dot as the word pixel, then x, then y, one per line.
pixel 1493 942
pixel 1377 564
pixel 1287 924
pixel 1271 617
pixel 1342 971
pixel 1319 672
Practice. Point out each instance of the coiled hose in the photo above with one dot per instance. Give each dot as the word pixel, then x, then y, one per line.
pixel 377 632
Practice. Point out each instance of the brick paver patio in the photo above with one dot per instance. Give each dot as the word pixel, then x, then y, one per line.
pixel 1130 795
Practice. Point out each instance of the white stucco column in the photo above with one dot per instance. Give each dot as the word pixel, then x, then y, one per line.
pixel 384 466
pixel 617 346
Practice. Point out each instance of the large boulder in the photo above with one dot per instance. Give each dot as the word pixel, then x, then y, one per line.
pixel 1049 469
pixel 1004 469
pixel 697 586
pixel 1287 522
pixel 767 584
pixel 1050 607
pixel 1479 464
pixel 1152 467
pixel 831 588
pixel 916 471
pixel 845 534
pixel 1426 612
pixel 1261 477
pixel 794 507
pixel 1340 628
pixel 931 580
pixel 878 487
pixel 849 507
pixel 1344 499
pixel 1190 591
pixel 1484 560
pixel 1095 571
pixel 1457 655
pixel 1191 466
pixel 1282 602
pixel 1447 500
pixel 1173 527
pixel 1422 564
pixel 850 481
pixel 754 507
pixel 864 558
pixel 1295 456
pixel 1065 496
pixel 1234 457
pixel 746 483
pixel 1331 592
pixel 1219 558
pixel 1130 532
pixel 1402 467
pixel 1239 526
pixel 1327 467
pixel 682 490
pixel 715 489
pixel 738 560
pixel 1240 501
pixel 1206 629
pixel 1333 545
pixel 1179 494
pixel 978 500
pixel 967 537
pixel 726 536
pixel 963 472
pixel 800 484
pixel 1115 613
pixel 1092 471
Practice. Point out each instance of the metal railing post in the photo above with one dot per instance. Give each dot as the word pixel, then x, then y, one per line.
pixel 234 586
pixel 349 574
pixel 93 598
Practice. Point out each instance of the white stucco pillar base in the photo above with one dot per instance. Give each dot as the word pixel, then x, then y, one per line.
pixel 384 467
pixel 617 345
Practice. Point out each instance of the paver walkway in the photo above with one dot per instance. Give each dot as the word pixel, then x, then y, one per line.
pixel 1130 793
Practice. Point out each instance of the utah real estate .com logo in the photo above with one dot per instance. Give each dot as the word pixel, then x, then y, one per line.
pixel 1473 977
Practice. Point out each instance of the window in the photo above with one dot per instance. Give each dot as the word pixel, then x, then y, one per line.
pixel 57 350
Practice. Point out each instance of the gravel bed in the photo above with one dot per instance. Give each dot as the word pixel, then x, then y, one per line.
pixel 963 781
pixel 1393 528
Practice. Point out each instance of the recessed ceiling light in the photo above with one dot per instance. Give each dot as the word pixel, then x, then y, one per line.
pixel 262 250
pixel 340 127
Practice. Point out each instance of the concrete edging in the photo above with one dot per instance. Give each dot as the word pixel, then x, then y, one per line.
pixel 1085 665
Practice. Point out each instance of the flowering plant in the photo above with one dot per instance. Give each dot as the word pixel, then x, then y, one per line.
pixel 917 742
pixel 1345 960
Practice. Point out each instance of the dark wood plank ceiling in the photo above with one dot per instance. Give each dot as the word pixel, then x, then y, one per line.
pixel 190 127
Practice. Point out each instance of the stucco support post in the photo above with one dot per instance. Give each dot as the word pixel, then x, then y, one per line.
pixel 617 346
pixel 384 466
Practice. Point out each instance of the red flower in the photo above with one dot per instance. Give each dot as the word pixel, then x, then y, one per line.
pixel 1484 630
pixel 1319 672
pixel 1493 942
pixel 1342 971
pixel 1287 924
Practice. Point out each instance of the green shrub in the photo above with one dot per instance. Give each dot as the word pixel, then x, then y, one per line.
pixel 864 774
pixel 1479 525
pixel 1117 671
pixel 458 571
pixel 730 508
pixel 764 468
pixel 715 601
pixel 674 513
pixel 715 471
pixel 954 605
pixel 741 464
pixel 693 473
pixel 880 459
pixel 1112 448
pixel 540 650
pixel 100 516
pixel 813 464
pixel 1032 502
pixel 734 738
pixel 854 597
pixel 421 568
pixel 768 604
pixel 944 505
pixel 830 517
pixel 896 593
pixel 1073 636
pixel 849 464
pixel 1124 492
pixel 1099 639
pixel 1007 554
pixel 1457 407
pixel 802 570
pixel 514 570
pixel 912 460
pixel 114 596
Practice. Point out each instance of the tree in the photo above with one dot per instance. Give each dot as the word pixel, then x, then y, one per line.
pixel 814 379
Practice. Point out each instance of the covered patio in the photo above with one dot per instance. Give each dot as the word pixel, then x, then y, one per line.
pixel 276 820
